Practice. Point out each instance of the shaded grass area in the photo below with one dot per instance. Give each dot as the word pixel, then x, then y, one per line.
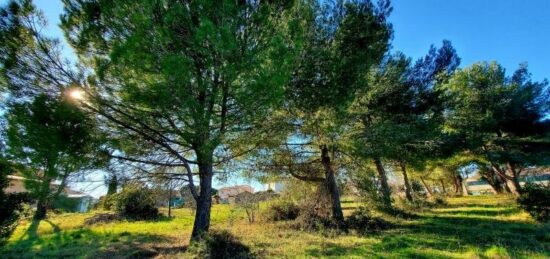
pixel 469 227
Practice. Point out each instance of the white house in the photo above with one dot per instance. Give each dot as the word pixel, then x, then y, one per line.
pixel 276 187
pixel 85 201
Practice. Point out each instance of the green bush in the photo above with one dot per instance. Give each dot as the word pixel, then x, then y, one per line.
pixel 136 202
pixel 363 221
pixel 283 210
pixel 11 204
pixel 65 204
pixel 535 199
pixel 11 208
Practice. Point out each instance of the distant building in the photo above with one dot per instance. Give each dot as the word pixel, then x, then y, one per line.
pixel 228 194
pixel 83 201
pixel 276 187
pixel 476 185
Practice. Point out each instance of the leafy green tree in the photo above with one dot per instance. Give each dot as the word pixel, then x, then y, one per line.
pixel 343 39
pixel 52 139
pixel 187 78
pixel 501 118
pixel 398 116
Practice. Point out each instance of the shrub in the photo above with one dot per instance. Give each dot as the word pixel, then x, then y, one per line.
pixel 65 204
pixel 136 202
pixel 535 200
pixel 106 202
pixel 11 204
pixel 11 209
pixel 220 244
pixel 250 203
pixel 440 201
pixel 363 221
pixel 283 210
pixel 311 220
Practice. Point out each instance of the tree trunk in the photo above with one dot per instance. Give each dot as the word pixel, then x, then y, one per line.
pixel 513 180
pixel 464 189
pixel 428 189
pixel 506 187
pixel 170 198
pixel 494 180
pixel 513 186
pixel 385 188
pixel 332 187
pixel 458 184
pixel 443 186
pixel 408 191
pixel 201 224
pixel 43 200
pixel 41 210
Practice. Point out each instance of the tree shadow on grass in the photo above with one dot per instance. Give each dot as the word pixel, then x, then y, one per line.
pixel 437 236
pixel 456 234
pixel 480 212
pixel 474 205
pixel 336 250
pixel 84 243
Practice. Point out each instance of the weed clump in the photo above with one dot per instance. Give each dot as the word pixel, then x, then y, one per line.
pixel 220 244
pixel 311 220
pixel 282 210
pixel 362 221
pixel 102 218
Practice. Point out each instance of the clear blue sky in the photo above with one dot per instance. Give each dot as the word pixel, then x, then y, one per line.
pixel 507 31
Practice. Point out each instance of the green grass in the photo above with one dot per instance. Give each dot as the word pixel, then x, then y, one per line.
pixel 469 227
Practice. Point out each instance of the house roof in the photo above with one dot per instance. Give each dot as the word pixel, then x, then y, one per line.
pixel 232 191
pixel 17 185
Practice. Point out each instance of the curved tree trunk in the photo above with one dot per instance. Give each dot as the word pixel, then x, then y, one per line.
pixel 515 186
pixel 458 184
pixel 427 187
pixel 408 190
pixel 494 180
pixel 385 188
pixel 465 188
pixel 332 187
pixel 443 186
pixel 201 225
pixel 510 176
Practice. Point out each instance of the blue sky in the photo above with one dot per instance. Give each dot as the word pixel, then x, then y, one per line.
pixel 507 31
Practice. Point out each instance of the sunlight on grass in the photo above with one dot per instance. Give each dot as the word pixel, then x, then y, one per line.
pixel 469 227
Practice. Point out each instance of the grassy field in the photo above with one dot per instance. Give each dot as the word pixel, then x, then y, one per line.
pixel 469 227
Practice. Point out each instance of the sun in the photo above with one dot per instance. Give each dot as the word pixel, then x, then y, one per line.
pixel 77 94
